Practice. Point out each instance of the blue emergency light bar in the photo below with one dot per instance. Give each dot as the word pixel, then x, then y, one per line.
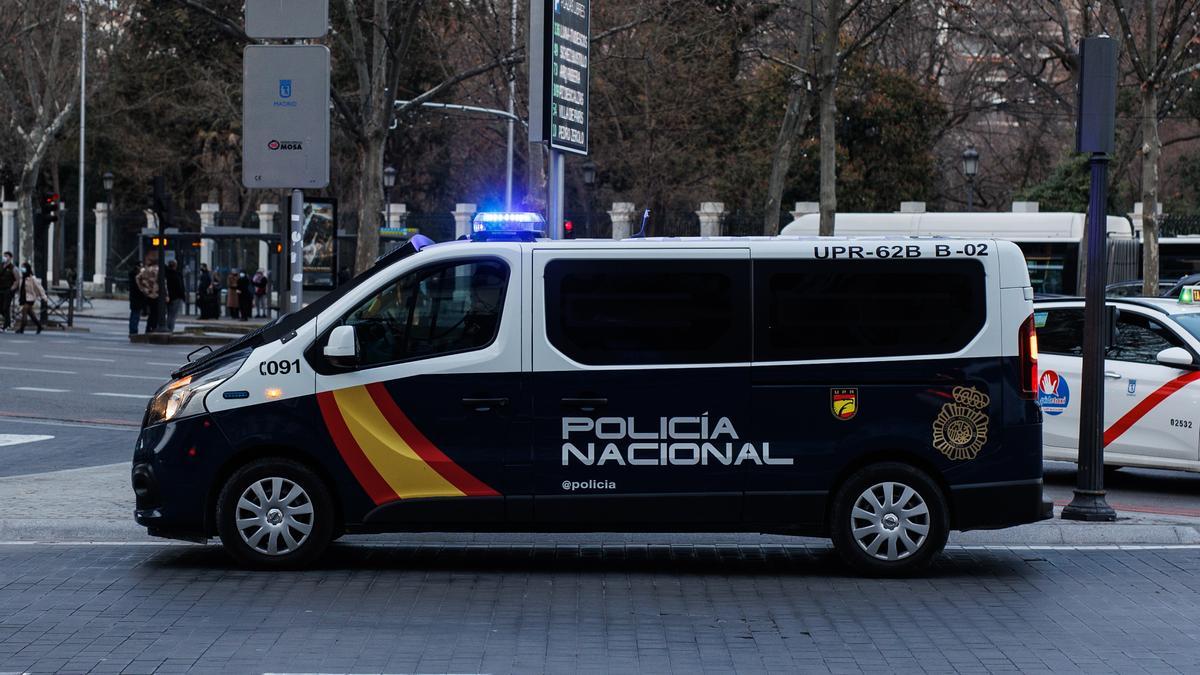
pixel 511 226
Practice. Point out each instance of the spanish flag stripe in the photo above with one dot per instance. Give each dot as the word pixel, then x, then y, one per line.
pixel 391 455
pixel 375 486
pixel 435 458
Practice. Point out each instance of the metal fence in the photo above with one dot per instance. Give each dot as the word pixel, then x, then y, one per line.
pixel 1179 225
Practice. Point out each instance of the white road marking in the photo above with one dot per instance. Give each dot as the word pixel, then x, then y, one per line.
pixel 78 358
pixel 17 439
pixel 39 370
pixel 130 428
pixel 49 391
pixel 117 349
pixel 8 354
pixel 19 342
pixel 110 393
pixel 160 363
pixel 156 378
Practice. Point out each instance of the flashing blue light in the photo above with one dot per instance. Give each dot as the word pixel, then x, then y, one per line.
pixel 522 226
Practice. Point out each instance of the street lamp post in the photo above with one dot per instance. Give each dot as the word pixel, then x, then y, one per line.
pixel 970 160
pixel 389 181
pixel 589 181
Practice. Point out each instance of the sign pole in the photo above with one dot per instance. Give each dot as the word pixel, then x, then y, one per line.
pixel 1094 135
pixel 295 251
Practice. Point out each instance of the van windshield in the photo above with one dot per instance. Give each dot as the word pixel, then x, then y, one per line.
pixel 287 323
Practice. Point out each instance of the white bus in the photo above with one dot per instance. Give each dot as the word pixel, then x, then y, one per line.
pixel 1050 241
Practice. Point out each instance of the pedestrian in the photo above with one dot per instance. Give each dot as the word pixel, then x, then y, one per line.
pixel 29 291
pixel 231 294
pixel 261 295
pixel 206 294
pixel 137 301
pixel 147 282
pixel 8 283
pixel 245 296
pixel 175 294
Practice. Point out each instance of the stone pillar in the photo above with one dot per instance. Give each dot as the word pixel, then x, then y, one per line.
pixel 8 229
pixel 51 234
pixel 711 214
pixel 463 213
pixel 397 214
pixel 622 219
pixel 1025 207
pixel 208 220
pixel 101 267
pixel 912 207
pixel 266 225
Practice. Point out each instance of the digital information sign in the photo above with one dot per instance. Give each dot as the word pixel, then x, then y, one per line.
pixel 287 18
pixel 560 50
pixel 285 116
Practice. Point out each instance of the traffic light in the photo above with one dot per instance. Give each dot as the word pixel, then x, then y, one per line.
pixel 568 229
pixel 50 208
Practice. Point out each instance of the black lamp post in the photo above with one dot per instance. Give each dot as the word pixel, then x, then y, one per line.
pixel 589 181
pixel 970 160
pixel 389 182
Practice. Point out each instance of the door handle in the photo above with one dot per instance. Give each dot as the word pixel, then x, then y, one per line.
pixel 584 404
pixel 1112 375
pixel 484 404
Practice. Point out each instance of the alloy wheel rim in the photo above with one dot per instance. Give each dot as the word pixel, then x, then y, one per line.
pixel 890 521
pixel 274 516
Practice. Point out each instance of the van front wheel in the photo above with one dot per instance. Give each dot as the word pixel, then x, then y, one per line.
pixel 274 513
pixel 889 519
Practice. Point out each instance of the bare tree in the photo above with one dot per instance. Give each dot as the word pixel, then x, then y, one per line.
pixel 1156 52
pixel 39 89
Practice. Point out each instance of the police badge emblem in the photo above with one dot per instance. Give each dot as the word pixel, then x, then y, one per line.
pixel 961 427
pixel 843 403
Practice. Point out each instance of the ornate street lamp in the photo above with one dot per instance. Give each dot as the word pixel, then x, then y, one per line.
pixel 389 182
pixel 970 160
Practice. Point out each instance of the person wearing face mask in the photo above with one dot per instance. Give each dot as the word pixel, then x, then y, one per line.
pixel 29 291
pixel 8 282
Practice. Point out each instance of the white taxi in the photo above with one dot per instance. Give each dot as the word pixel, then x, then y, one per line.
pixel 1151 380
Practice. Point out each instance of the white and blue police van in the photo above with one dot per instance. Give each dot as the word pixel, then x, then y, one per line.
pixel 877 391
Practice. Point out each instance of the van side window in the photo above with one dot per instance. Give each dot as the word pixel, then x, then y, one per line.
pixel 1061 332
pixel 1139 339
pixel 818 309
pixel 431 312
pixel 641 312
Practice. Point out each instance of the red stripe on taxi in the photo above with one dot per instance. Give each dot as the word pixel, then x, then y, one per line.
pixel 1147 404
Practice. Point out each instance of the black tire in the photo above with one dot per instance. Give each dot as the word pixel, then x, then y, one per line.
pixel 283 515
pixel 899 548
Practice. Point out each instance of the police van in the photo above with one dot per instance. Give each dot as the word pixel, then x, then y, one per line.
pixel 880 392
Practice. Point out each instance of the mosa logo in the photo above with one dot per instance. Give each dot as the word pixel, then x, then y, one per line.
pixel 1053 393
pixel 284 145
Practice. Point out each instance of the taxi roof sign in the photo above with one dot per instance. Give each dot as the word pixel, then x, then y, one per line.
pixel 1189 295
pixel 511 226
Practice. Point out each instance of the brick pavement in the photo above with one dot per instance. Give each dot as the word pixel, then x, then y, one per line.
pixel 584 608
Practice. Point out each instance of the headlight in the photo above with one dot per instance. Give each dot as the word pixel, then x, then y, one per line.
pixel 185 397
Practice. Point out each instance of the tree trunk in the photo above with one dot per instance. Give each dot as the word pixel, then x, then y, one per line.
pixel 1151 148
pixel 369 204
pixel 26 185
pixel 828 153
pixel 795 119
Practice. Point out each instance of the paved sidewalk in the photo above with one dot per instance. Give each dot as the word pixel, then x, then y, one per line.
pixel 96 504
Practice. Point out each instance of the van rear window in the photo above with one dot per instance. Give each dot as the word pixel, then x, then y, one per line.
pixel 816 309
pixel 640 312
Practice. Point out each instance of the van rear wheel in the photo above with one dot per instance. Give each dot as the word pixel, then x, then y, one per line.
pixel 889 519
pixel 275 513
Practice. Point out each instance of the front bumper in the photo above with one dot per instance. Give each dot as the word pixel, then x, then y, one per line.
pixel 174 468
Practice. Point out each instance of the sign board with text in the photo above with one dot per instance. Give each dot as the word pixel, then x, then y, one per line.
pixel 287 18
pixel 560 51
pixel 285 116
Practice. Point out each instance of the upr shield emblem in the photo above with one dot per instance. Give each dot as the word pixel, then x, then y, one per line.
pixel 843 403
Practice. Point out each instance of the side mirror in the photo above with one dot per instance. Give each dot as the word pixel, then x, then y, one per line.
pixel 342 348
pixel 1176 357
